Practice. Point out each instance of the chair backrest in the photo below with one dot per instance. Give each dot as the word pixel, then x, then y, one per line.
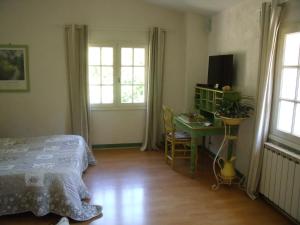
pixel 168 120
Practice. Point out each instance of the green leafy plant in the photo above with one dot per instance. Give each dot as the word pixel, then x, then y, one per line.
pixel 232 107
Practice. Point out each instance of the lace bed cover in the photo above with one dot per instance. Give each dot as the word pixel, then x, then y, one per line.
pixel 44 175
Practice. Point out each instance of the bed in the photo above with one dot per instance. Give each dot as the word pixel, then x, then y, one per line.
pixel 44 175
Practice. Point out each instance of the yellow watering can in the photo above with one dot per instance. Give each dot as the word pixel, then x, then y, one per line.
pixel 227 171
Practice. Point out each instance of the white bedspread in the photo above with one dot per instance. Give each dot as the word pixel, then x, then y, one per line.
pixel 43 175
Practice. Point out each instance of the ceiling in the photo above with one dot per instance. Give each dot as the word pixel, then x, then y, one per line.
pixel 204 7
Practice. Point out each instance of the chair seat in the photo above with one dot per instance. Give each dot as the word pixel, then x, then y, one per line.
pixel 180 135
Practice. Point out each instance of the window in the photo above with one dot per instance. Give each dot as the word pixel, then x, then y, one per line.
pixel 286 122
pixel 132 75
pixel 117 75
pixel 101 75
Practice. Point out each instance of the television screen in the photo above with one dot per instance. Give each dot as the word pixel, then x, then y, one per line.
pixel 220 71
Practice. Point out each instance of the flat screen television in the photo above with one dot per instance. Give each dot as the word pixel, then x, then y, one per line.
pixel 220 71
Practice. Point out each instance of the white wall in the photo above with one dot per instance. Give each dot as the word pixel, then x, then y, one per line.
pixel 39 24
pixel 196 61
pixel 236 31
pixel 292 12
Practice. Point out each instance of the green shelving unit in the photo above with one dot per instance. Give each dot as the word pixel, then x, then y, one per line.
pixel 207 101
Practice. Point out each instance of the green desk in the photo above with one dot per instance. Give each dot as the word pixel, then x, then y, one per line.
pixel 196 130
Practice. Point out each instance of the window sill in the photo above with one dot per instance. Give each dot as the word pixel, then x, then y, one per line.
pixel 282 150
pixel 282 142
pixel 117 108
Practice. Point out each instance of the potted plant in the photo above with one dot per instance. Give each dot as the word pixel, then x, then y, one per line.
pixel 232 110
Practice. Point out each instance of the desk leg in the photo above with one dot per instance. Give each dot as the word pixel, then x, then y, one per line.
pixel 193 155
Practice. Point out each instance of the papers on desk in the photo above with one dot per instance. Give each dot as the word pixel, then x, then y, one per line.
pixel 185 119
pixel 207 124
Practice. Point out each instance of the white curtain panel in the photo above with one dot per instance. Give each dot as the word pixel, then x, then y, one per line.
pixel 155 89
pixel 270 20
pixel 76 38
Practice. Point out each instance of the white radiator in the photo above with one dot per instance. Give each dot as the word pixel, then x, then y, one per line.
pixel 280 181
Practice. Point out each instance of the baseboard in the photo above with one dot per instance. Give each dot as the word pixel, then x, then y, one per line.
pixel 116 146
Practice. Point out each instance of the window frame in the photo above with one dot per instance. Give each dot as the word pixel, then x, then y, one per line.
pixel 117 105
pixel 282 137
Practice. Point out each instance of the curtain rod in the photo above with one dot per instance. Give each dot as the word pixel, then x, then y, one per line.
pixel 123 29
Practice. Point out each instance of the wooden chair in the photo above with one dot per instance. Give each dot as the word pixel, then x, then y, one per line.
pixel 174 139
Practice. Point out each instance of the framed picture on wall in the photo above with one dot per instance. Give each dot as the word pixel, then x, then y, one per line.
pixel 14 68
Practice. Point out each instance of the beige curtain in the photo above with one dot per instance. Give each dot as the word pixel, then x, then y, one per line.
pixel 76 37
pixel 155 88
pixel 270 20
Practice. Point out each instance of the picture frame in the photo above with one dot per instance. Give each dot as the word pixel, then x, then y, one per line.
pixel 14 71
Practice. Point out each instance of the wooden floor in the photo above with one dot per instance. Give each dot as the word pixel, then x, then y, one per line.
pixel 137 188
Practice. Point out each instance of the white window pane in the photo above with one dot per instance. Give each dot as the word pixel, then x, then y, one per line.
pixel 139 56
pixel 297 121
pixel 95 94
pixel 107 94
pixel 107 75
pixel 107 56
pixel 138 94
pixel 291 50
pixel 126 94
pixel 126 75
pixel 94 75
pixel 139 75
pixel 126 56
pixel 288 83
pixel 285 116
pixel 94 56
